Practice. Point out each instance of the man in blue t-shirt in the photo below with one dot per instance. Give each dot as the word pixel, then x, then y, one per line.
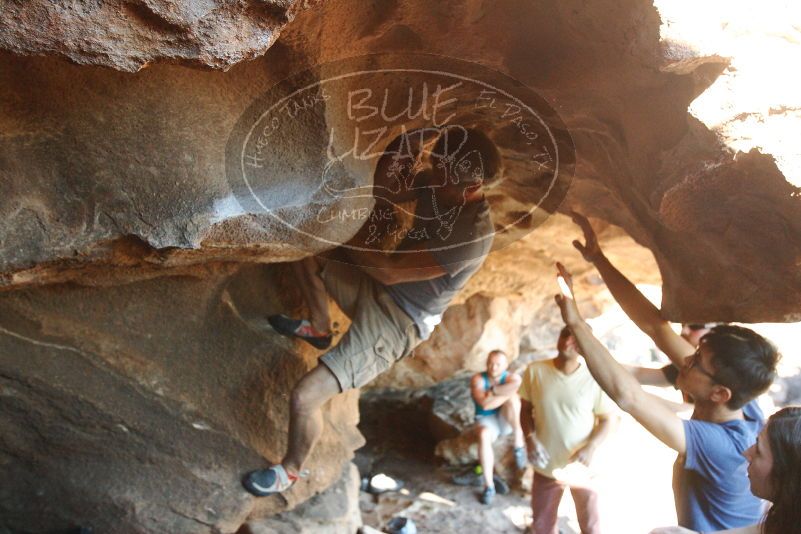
pixel 394 299
pixel 730 368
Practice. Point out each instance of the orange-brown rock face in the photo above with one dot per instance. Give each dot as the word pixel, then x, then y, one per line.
pixel 137 380
pixel 148 149
pixel 128 35
pixel 140 407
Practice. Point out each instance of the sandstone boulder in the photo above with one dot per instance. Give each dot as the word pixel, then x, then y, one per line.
pixel 335 511
pixel 137 378
pixel 128 35
pixel 140 407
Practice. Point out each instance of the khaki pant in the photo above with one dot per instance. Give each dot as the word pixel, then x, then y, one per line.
pixel 380 332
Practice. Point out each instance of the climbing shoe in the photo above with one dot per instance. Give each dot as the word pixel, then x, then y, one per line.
pixel 264 482
pixel 469 477
pixel 501 486
pixel 474 477
pixel 487 495
pixel 300 328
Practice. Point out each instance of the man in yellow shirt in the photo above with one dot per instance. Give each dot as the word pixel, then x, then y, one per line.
pixel 565 416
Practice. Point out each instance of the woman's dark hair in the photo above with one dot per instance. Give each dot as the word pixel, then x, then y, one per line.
pixel 744 362
pixel 784 437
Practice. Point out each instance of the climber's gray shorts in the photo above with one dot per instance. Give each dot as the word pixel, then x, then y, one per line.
pixel 380 333
pixel 496 424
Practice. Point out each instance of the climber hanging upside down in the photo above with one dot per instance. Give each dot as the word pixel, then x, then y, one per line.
pixel 394 300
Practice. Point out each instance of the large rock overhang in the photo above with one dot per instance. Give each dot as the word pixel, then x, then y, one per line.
pixel 125 172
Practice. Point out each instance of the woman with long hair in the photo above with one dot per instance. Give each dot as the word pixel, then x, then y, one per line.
pixel 774 469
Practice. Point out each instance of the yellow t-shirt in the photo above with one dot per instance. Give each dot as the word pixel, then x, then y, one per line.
pixel 564 408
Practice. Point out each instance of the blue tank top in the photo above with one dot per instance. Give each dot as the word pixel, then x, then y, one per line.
pixel 481 411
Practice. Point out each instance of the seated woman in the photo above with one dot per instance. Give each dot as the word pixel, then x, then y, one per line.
pixel 775 473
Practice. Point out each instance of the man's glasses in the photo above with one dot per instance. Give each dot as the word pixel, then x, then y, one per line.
pixel 694 361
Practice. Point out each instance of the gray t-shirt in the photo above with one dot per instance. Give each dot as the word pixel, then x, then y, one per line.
pixel 460 249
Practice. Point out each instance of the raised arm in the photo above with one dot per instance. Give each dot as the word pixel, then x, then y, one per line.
pixel 648 376
pixel 618 383
pixel 645 315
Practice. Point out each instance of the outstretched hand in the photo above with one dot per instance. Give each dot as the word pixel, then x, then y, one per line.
pixel 565 299
pixel 590 249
